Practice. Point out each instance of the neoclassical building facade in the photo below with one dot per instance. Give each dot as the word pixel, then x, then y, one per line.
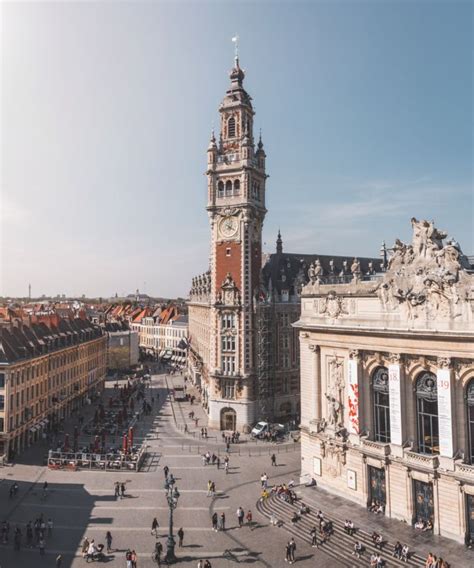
pixel 387 384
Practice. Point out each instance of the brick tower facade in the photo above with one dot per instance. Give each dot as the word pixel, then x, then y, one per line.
pixel 236 207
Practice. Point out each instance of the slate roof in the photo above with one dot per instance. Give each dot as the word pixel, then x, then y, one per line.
pixel 21 341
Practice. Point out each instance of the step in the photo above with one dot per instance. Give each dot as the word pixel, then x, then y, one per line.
pixel 308 521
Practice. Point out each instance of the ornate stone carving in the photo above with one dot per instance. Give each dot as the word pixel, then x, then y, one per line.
pixel 394 358
pixel 313 348
pixel 355 269
pixel 229 294
pixel 444 362
pixel 426 279
pixel 334 394
pixel 315 271
pixel 354 354
pixel 333 305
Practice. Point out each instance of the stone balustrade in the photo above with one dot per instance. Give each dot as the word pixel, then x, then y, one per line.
pixel 380 449
pixel 421 460
pixel 464 470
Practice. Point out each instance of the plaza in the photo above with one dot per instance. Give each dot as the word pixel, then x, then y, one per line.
pixel 82 503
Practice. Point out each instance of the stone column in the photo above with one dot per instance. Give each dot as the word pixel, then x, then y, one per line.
pixel 316 353
pixel 445 384
pixel 353 395
pixel 310 383
pixel 395 398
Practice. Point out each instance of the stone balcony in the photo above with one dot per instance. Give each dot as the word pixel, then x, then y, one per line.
pixel 464 470
pixel 373 448
pixel 421 461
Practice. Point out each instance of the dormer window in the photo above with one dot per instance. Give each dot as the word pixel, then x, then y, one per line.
pixel 231 127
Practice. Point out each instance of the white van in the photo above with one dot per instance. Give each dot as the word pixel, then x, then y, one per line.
pixel 259 429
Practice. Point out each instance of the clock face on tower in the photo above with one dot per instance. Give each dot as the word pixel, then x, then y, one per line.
pixel 228 227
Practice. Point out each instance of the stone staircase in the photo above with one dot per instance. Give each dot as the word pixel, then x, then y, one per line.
pixel 340 545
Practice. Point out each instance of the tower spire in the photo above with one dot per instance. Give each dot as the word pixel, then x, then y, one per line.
pixel 279 243
pixel 235 40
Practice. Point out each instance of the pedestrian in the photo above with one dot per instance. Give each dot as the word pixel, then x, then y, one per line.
pixel 274 460
pixel 207 564
pixel 214 521
pixel 180 537
pixel 158 551
pixel 209 488
pixel 314 538
pixel 240 516
pixel 85 547
pixel 50 527
pixel 200 564
pixel 154 527
pixel 134 558
pixel 122 490
pixel 42 545
pixel 218 462
pixel 222 522
pixel 59 561
pixel 292 544
pixel 108 541
pixel 117 489
pixel 128 558
pixel 287 553
pixel 166 471
pixel 249 517
pixel 226 466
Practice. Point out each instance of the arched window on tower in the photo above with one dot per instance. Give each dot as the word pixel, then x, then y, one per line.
pixel 470 420
pixel 231 127
pixel 228 188
pixel 381 405
pixel 427 414
pixel 220 189
pixel 237 187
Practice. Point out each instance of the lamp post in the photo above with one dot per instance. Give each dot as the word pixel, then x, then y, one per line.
pixel 172 495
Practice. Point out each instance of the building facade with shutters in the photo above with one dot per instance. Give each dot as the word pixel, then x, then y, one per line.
pixel 387 385
pixel 48 369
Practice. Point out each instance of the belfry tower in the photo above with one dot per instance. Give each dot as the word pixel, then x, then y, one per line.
pixel 236 207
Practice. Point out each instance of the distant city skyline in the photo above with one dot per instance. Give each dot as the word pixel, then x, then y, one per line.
pixel 107 109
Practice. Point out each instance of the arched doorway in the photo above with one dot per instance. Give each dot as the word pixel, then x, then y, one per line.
pixel 228 419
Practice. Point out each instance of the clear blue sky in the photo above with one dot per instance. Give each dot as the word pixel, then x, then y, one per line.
pixel 365 108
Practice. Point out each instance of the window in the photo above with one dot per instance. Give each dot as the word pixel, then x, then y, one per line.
pixel 227 251
pixel 427 414
pixel 228 188
pixel 228 321
pixel 285 385
pixel 228 364
pixel 229 389
pixel 236 187
pixel 2 402
pixel 231 127
pixel 220 189
pixel 381 406
pixel 2 380
pixel 470 420
pixel 228 343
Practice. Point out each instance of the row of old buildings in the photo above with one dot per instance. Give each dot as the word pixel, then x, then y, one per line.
pixel 373 357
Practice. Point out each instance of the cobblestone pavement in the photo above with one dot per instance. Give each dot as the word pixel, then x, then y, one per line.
pixel 82 503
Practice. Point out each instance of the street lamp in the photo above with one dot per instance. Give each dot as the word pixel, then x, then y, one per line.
pixel 172 495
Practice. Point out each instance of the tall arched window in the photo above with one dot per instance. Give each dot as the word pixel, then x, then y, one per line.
pixel 381 405
pixel 228 188
pixel 427 414
pixel 236 187
pixel 470 420
pixel 220 189
pixel 231 127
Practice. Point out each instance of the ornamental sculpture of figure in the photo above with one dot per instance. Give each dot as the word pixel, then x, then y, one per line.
pixel 334 407
pixel 315 271
pixel 355 269
pixel 426 279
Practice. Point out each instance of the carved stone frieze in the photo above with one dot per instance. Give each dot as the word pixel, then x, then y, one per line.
pixel 333 305
pixel 426 279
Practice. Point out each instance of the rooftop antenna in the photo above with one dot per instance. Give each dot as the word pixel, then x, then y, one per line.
pixel 235 40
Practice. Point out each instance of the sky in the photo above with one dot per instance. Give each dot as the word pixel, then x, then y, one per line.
pixel 107 108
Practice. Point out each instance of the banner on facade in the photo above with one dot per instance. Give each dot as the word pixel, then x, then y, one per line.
pixel 353 396
pixel 395 404
pixel 443 377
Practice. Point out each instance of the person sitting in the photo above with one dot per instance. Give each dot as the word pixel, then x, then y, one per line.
pixel 291 484
pixel 372 506
pixel 379 542
pixel 295 518
pixel 420 524
pixel 304 509
pixel 428 526
pixel 311 483
pixel 357 549
pixel 319 514
pixel 380 508
pixel 349 527
pixel 374 536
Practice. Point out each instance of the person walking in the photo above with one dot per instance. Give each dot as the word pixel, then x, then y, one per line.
pixel 292 544
pixel 134 559
pixel 158 551
pixel 108 541
pixel 117 489
pixel 42 546
pixel 249 517
pixel 59 561
pixel 222 522
pixel 154 527
pixel 314 538
pixel 218 462
pixel 166 470
pixel 240 516
pixel 207 564
pixel 273 460
pixel 180 537
pixel 226 466
pixel 215 521
pixel 50 527
pixel 122 490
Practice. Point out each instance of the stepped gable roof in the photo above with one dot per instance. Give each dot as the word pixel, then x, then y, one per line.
pixel 280 271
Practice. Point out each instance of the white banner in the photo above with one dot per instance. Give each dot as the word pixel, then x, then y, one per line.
pixel 353 397
pixel 394 388
pixel 443 377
